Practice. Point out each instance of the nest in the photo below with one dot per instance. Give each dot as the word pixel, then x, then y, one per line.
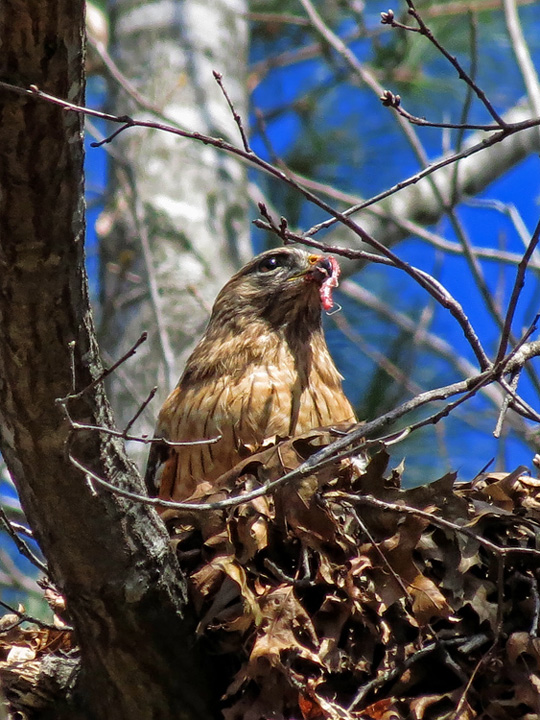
pixel 343 595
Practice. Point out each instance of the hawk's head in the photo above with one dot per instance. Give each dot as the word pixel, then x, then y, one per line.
pixel 280 286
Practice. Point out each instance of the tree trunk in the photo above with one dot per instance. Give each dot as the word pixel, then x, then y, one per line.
pixel 109 556
pixel 177 219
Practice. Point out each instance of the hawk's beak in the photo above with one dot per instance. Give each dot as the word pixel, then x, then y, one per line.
pixel 320 269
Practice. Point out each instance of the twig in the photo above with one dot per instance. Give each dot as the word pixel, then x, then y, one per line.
pixel 142 439
pixel 500 595
pixel 467 103
pixel 382 556
pixel 391 100
pixel 388 19
pixel 516 291
pixel 14 577
pixel 105 373
pixel 139 412
pixel 129 386
pixel 440 522
pixel 121 79
pixel 510 210
pixel 124 435
pixel 21 545
pixel 283 577
pixel 237 118
pixel 395 672
pixel 290 57
pixel 505 405
pixel 21 529
pixel 71 348
pixel 282 18
pixel 376 356
pixel 458 7
pixel 165 346
pixel 412 228
pixel 468 685
pixel 36 621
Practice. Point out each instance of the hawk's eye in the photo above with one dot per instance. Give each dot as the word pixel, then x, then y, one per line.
pixel 273 262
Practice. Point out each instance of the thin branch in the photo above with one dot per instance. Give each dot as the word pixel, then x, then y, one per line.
pixel 388 19
pixel 516 291
pixel 20 544
pixel 391 100
pixel 139 412
pixel 413 228
pixel 399 670
pixel 462 6
pixel 511 211
pixel 291 57
pixel 237 118
pixel 165 346
pixel 376 356
pixel 107 372
pixel 281 18
pixel 505 406
pixel 440 522
pixel 467 104
pixel 24 617
pixel 143 439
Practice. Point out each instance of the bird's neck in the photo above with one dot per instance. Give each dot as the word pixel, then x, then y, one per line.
pixel 238 348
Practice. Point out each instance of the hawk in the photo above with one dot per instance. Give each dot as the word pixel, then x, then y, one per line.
pixel 262 371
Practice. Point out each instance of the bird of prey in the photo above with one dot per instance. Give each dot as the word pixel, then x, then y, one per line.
pixel 262 371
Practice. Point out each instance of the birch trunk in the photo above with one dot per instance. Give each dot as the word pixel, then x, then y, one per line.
pixel 176 225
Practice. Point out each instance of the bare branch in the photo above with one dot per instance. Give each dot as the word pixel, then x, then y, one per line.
pixel 516 291
pixel 388 19
pixel 22 547
pixel 237 119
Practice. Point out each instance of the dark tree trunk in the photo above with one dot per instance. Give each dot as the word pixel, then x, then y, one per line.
pixel 109 556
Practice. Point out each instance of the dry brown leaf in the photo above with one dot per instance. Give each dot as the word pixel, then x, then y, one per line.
pixel 428 602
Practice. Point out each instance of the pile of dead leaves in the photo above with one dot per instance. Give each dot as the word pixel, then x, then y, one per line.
pixel 345 596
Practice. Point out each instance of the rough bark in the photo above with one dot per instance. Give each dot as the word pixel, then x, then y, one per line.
pixel 109 556
pixel 189 200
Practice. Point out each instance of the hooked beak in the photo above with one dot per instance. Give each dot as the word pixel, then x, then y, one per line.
pixel 320 270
